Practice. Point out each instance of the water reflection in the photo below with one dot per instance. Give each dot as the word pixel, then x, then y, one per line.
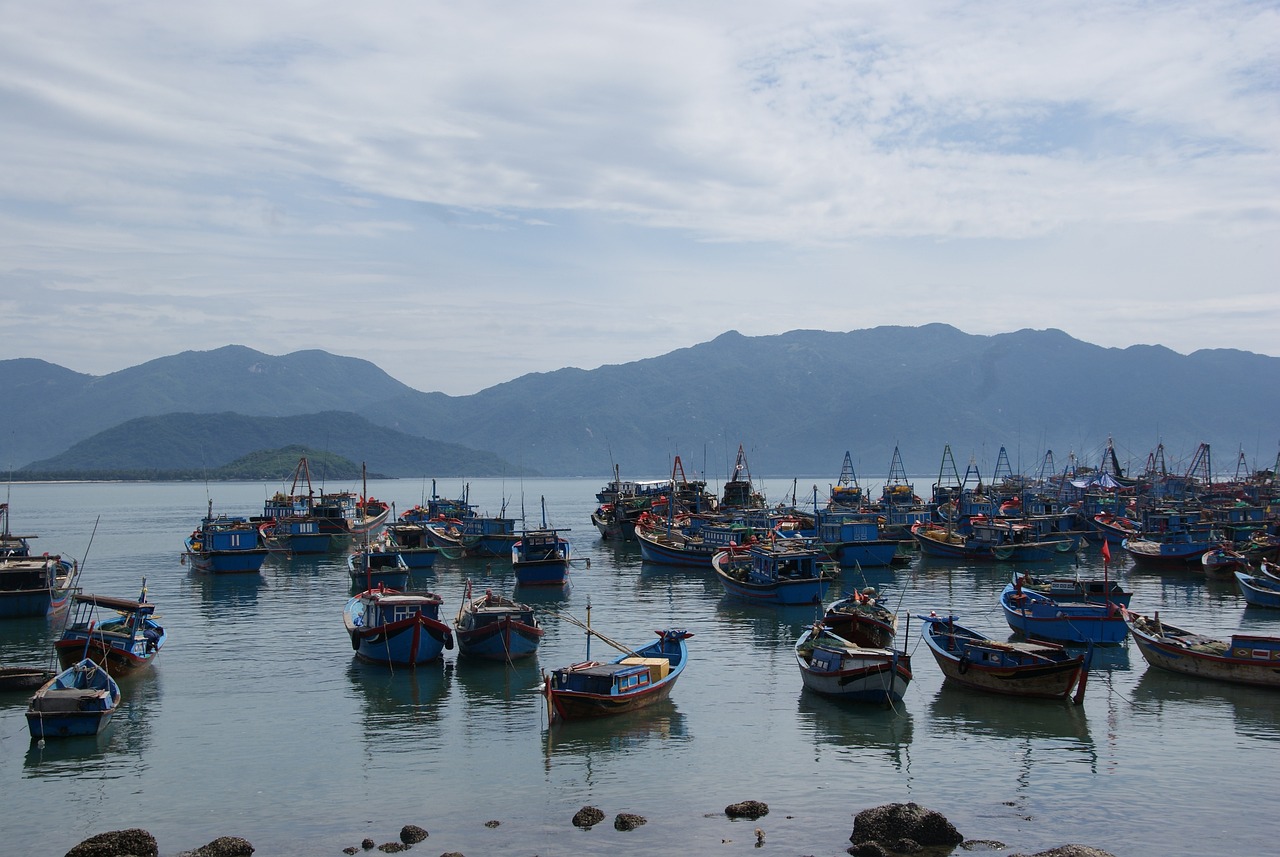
pixel 961 709
pixel 576 741
pixel 769 626
pixel 402 702
pixel 1253 709
pixel 73 758
pixel 226 594
pixel 677 582
pixel 886 731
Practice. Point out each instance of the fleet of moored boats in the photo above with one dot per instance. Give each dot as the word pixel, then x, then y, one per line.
pixel 784 554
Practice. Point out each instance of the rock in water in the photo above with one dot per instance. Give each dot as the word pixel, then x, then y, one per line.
pixel 751 809
pixel 135 841
pixel 892 823
pixel 588 816
pixel 411 834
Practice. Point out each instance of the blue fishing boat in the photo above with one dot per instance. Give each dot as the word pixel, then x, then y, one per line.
pixel 783 571
pixel 838 668
pixel 862 619
pixel 289 522
pixel 1032 669
pixel 35 585
pixel 225 544
pixel 1223 561
pixel 1258 591
pixel 80 700
pixel 991 540
pixel 411 541
pixel 1036 615
pixel 371 567
pixel 128 640
pixel 495 627
pixel 639 678
pixel 854 540
pixel 687 540
pixel 10 544
pixel 541 556
pixel 396 628
pixel 1115 528
pixel 1076 588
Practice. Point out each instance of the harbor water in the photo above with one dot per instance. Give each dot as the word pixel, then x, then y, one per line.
pixel 257 721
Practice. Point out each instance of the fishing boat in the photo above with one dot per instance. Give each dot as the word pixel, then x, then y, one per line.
pixel 1035 669
pixel 35 585
pixel 23 678
pixel 1115 528
pixel 1066 620
pixel 781 571
pixel 847 493
pixel 854 539
pixel 1244 659
pixel 496 627
pixel 411 541
pixel 288 522
pixel 1223 561
pixel 125 642
pixel 396 628
pixel 990 539
pixel 638 678
pixel 80 700
pixel 1076 588
pixel 1257 590
pixel 835 667
pixel 371 567
pixel 541 556
pixel 225 544
pixel 862 619
pixel 10 544
pixel 687 540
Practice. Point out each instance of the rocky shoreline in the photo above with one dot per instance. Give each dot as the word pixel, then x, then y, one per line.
pixel 881 831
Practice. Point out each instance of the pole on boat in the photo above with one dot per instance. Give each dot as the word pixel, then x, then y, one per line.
pixel 588 628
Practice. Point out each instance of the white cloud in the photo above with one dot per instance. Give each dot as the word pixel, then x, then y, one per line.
pixel 607 181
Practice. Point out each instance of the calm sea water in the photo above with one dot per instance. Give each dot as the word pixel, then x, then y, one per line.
pixel 256 720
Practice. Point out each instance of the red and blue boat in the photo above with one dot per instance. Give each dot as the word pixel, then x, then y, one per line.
pixel 841 669
pixel 124 642
pixel 371 567
pixel 781 571
pixel 396 628
pixel 495 627
pixel 639 678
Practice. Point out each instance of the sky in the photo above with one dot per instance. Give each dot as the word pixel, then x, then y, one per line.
pixel 462 193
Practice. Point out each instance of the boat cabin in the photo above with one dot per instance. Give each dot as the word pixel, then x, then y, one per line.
pixel 613 679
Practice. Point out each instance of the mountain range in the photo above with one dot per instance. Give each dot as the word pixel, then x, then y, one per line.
pixel 795 401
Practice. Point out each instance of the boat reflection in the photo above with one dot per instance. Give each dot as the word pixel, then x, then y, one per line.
pixel 625 734
pixel 986 715
pixel 499 692
pixel 679 581
pixel 401 703
pixel 768 626
pixel 1163 693
pixel 226 594
pixel 857 731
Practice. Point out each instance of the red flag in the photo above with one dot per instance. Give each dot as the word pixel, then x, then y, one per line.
pixel 1106 551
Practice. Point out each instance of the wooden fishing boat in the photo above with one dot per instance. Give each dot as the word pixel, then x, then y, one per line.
pixel 1223 561
pixel 688 541
pixel 1039 616
pixel 1115 528
pixel 1257 590
pixel 496 627
pixel 396 628
pixel 23 678
pixel 1244 659
pixel 410 540
pixel 124 643
pixel 1033 669
pixel 1076 588
pixel 371 567
pixel 989 539
pixel 862 619
pixel 781 571
pixel 854 539
pixel 35 585
pixel 224 544
pixel 80 700
pixel 541 556
pixel 289 522
pixel 637 679
pixel 838 668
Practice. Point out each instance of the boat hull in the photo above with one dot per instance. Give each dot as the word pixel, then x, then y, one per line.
pixel 1259 591
pixel 1002 668
pixel 228 562
pixel 876 676
pixel 78 701
pixel 505 639
pixel 1039 617
pixel 1240 663
pixel 575 693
